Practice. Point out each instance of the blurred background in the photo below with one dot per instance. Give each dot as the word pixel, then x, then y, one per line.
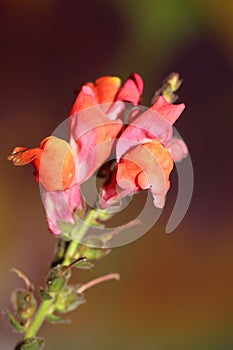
pixel 175 290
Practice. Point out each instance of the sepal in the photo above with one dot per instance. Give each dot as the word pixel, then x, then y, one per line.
pixel 93 249
pixel 31 344
pixel 15 324
pixel 84 264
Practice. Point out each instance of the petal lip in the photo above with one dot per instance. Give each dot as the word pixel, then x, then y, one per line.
pixel 178 149
pixel 131 90
pixel 148 126
pixel 169 111
pixel 142 167
pixel 22 156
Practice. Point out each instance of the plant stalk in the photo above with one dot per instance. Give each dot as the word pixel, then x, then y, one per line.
pixel 45 305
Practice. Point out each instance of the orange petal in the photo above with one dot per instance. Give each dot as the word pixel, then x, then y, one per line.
pixel 53 163
pixel 103 90
pixel 57 167
pixel 23 156
pixel 107 88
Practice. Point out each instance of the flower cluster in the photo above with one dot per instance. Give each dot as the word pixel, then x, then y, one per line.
pixel 105 122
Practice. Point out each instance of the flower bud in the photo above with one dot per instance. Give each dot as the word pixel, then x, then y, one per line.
pixel 68 300
pixel 174 81
pixel 57 279
pixel 24 303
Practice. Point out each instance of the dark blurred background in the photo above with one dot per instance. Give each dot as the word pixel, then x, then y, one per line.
pixel 175 290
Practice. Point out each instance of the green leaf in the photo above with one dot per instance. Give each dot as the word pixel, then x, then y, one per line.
pixel 84 264
pixel 54 319
pixel 31 344
pixel 18 327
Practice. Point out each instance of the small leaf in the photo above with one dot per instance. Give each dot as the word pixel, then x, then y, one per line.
pixel 54 319
pixel 31 344
pixel 14 322
pixel 45 295
pixel 85 265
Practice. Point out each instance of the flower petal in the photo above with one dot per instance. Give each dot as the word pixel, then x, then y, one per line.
pixel 106 88
pixel 57 166
pixel 23 156
pixel 53 162
pixel 92 136
pixel 178 149
pixel 167 110
pixel 60 206
pixel 145 166
pixel 131 90
pixel 148 126
pixel 86 98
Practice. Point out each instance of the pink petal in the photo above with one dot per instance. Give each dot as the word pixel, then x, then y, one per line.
pixel 167 110
pixel 131 90
pixel 148 126
pixel 60 205
pixel 92 136
pixel 85 99
pixel 178 149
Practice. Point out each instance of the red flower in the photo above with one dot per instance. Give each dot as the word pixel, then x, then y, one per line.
pixel 95 120
pixel 145 150
pixel 94 123
pixel 145 154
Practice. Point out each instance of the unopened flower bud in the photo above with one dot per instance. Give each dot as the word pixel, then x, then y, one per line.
pixel 68 300
pixel 24 303
pixel 174 80
pixel 57 279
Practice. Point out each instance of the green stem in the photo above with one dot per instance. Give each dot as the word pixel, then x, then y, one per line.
pixel 38 319
pixel 71 250
pixel 46 304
